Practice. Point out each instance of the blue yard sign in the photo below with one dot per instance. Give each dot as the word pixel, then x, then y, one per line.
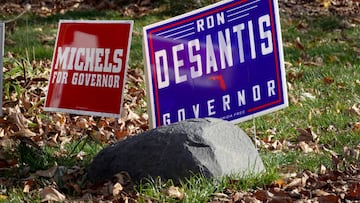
pixel 224 61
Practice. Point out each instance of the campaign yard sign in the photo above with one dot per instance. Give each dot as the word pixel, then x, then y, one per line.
pixel 224 61
pixel 89 67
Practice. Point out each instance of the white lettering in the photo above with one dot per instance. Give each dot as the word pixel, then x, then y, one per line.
pixel 271 88
pixel 241 98
pixel 89 59
pixel 181 114
pixel 225 49
pixel 166 119
pixel 161 63
pixel 195 58
pixel 210 22
pixel 210 104
pixel 252 40
pixel 256 93
pixel 196 110
pixel 95 80
pixel 266 47
pixel 118 54
pixel 99 53
pixel 61 58
pixel 238 30
pixel 226 102
pixel 178 63
pixel 210 56
pixel 59 77
pixel 79 65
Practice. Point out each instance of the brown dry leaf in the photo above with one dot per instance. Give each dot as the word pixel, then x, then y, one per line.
pixel 80 156
pixel 18 118
pixel 306 95
pixel 331 152
pixel 24 99
pixel 28 185
pixel 23 133
pixel 323 169
pixel 263 195
pixel 298 44
pixel 356 127
pixel 281 199
pixel 319 192
pixel 293 76
pixel 220 197
pixel 49 194
pixel 2 132
pixel 175 192
pixel 328 80
pixel 82 123
pixel 306 148
pixel 121 134
pixel 306 135
pixel 237 196
pixel 328 199
pixel 297 182
pixel 280 183
pixel 47 173
pixel 352 152
pixel 355 109
pixel 354 191
pixel 117 189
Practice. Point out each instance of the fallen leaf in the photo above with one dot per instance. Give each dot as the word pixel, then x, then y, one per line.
pixel 328 80
pixel 297 182
pixel 322 169
pixel 23 133
pixel 263 195
pixel 307 95
pixel 281 199
pixel 306 148
pixel 306 135
pixel 237 197
pixel 356 127
pixel 354 191
pixel 298 44
pixel 80 156
pixel 220 197
pixel 117 189
pixel 49 173
pixel 28 185
pixel 51 194
pixel 319 193
pixel 175 192
pixel 328 199
pixel 82 123
pixel 355 109
pixel 280 183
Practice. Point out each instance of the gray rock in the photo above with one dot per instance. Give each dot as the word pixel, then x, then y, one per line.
pixel 209 146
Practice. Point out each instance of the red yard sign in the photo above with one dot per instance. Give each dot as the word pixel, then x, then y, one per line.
pixel 89 67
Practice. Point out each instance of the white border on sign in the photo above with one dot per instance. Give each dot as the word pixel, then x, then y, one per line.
pixel 94 113
pixel 148 76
